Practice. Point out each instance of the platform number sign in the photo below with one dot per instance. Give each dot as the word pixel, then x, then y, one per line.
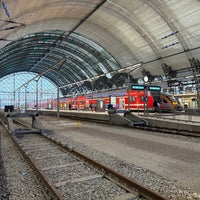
pixel 138 87
pixel 154 88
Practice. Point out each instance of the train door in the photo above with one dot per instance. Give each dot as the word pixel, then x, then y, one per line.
pixel 50 106
pixel 87 105
pixel 122 104
pixel 100 105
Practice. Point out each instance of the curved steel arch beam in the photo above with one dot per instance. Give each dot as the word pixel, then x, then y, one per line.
pixel 127 17
pixel 52 58
pixel 158 9
pixel 45 46
pixel 77 63
pixel 61 39
pixel 90 49
pixel 83 56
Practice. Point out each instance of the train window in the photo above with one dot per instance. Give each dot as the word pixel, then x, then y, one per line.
pixel 132 98
pixel 142 98
pixel 165 101
pixel 81 102
pixel 172 98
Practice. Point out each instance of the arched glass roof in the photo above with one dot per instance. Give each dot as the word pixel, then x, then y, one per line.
pixel 51 54
pixel 28 93
pixel 86 39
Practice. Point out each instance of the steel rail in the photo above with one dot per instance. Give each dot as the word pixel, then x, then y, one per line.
pixel 127 183
pixel 37 169
pixel 56 194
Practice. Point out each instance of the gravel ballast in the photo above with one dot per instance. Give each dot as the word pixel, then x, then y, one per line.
pixel 20 181
pixel 153 159
pixel 135 154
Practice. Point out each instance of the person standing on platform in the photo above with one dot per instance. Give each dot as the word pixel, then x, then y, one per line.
pixel 91 107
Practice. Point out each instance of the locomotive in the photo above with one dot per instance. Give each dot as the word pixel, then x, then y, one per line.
pixel 170 103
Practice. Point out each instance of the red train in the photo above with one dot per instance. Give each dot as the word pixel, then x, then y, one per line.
pixel 140 97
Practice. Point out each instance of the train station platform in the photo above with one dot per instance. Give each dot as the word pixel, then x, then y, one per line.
pixel 119 117
pixel 181 121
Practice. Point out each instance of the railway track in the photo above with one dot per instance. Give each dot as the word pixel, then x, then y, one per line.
pixel 72 175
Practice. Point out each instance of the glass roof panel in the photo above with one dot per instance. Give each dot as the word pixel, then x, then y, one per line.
pixel 40 51
pixel 10 94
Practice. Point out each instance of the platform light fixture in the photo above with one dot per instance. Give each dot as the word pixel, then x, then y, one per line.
pixel 146 79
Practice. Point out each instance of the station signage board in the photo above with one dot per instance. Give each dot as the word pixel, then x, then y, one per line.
pixel 143 87
pixel 154 88
pixel 138 87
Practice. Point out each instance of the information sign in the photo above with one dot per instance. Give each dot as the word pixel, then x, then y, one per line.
pixel 138 87
pixel 154 88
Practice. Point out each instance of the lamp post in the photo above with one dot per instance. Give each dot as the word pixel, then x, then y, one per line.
pixel 19 100
pixel 128 92
pixel 146 95
pixel 92 106
pixel 129 87
pixel 58 97
pixel 37 94
pixel 25 107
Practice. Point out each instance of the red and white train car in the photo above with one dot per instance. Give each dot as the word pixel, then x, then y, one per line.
pixel 117 99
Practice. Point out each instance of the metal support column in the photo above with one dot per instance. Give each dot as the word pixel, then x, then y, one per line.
pixel 146 111
pixel 14 101
pixel 37 96
pixel 18 108
pixel 25 106
pixel 58 97
pixel 136 67
pixel 128 93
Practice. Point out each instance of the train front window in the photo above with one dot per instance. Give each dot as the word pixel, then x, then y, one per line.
pixel 132 99
pixel 165 101
pixel 172 98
